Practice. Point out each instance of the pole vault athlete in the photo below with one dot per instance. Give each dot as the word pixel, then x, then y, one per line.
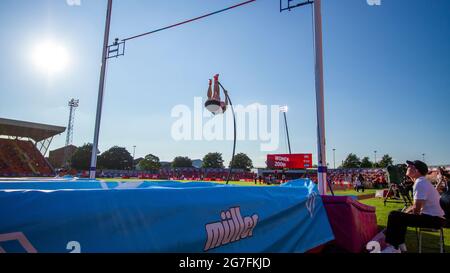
pixel 214 103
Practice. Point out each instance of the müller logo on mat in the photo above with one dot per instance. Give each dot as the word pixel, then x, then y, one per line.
pixel 232 228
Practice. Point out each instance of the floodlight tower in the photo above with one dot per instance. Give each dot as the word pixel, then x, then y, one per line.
pixel 73 104
pixel 284 110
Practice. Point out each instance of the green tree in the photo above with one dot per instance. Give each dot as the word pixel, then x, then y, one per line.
pixel 150 163
pixel 182 162
pixel 241 161
pixel 366 163
pixel 385 161
pixel 213 160
pixel 81 159
pixel 352 161
pixel 116 158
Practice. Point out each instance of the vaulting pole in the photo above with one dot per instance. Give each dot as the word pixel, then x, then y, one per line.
pixel 93 169
pixel 321 144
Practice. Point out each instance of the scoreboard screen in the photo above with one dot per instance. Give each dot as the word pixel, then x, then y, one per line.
pixel 289 161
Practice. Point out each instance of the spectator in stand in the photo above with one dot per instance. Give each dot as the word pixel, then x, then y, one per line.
pixel 353 181
pixel 442 177
pixel 382 180
pixel 349 178
pixel 62 173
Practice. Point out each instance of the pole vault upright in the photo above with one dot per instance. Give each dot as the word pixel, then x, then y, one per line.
pixel 321 145
pixel 93 168
pixel 320 105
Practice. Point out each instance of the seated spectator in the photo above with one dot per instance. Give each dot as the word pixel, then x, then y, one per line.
pixel 425 212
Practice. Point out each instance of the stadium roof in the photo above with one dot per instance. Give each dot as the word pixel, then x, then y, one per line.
pixel 35 131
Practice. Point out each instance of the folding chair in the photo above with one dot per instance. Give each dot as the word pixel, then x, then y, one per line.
pixel 419 232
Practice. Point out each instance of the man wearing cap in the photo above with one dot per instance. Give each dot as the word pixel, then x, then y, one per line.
pixel 426 211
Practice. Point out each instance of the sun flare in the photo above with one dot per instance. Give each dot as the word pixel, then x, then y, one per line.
pixel 50 57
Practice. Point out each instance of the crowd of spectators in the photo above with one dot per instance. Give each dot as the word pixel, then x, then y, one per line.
pixel 339 178
pixel 370 178
pixel 348 178
pixel 437 175
pixel 188 174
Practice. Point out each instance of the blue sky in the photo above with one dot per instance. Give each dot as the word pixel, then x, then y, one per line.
pixel 387 84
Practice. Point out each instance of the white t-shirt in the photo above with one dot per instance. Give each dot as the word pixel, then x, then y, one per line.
pixel 423 190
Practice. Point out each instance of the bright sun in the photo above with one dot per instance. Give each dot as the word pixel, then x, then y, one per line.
pixel 50 57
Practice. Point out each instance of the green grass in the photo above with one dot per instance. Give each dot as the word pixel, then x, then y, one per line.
pixel 430 241
pixel 353 192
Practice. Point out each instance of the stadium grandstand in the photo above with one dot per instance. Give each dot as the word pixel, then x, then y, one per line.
pixel 23 146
